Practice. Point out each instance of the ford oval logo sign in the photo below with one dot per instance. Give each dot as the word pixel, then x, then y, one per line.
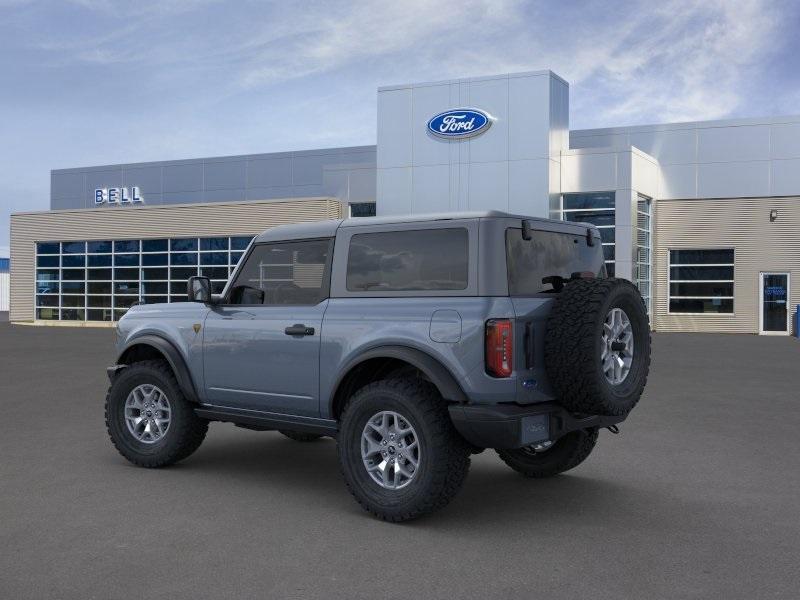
pixel 459 123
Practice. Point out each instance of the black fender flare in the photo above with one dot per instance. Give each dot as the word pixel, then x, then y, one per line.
pixel 168 350
pixel 434 370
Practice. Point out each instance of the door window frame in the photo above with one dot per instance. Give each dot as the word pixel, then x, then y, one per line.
pixel 326 273
pixel 761 330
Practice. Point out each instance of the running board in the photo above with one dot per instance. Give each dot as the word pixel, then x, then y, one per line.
pixel 267 420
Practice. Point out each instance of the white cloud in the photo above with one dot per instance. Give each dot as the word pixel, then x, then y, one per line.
pixel 690 62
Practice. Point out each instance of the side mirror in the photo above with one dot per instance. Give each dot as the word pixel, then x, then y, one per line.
pixel 199 289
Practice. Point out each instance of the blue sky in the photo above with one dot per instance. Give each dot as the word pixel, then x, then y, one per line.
pixel 93 82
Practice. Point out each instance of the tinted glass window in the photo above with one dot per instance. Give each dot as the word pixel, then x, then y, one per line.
pixel 430 259
pixel 99 260
pixel 154 245
pixel 291 273
pixel 701 257
pixel 126 246
pixel 73 247
pixel 126 260
pixel 150 260
pixel 240 243
pixel 600 217
pixel 362 209
pixel 701 280
pixel 214 258
pixel 98 247
pixel 47 261
pixel 184 259
pixel 47 247
pixel 220 243
pixel 183 245
pixel 78 260
pixel 73 274
pixel 547 254
pixel 589 201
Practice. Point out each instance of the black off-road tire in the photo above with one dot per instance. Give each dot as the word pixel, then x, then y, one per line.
pixel 567 453
pixel 299 436
pixel 444 455
pixel 573 343
pixel 186 430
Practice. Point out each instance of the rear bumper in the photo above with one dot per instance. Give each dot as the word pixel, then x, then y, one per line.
pixel 514 426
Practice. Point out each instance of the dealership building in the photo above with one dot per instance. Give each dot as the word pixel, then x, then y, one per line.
pixel 704 217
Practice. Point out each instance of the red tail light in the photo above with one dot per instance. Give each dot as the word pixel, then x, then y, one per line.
pixel 499 348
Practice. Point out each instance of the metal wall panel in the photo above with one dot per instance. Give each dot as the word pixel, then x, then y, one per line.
pixel 182 178
pixel 249 177
pixel 228 219
pixel 226 175
pixel 785 140
pixel 742 224
pixel 531 124
pixel 712 159
pixel 785 176
pixel 733 179
pixel 733 144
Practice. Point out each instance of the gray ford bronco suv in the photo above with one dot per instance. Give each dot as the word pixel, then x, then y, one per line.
pixel 413 341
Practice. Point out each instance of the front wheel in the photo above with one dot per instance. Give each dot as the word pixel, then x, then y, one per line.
pixel 398 451
pixel 546 461
pixel 149 420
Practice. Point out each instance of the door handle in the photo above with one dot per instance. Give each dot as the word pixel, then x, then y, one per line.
pixel 299 329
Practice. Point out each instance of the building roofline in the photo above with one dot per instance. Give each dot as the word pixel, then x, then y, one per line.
pixel 687 125
pixel 401 86
pixel 219 159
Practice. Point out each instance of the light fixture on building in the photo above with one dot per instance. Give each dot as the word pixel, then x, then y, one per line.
pixel 773 215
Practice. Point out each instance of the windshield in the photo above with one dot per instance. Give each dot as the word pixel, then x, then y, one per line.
pixel 546 255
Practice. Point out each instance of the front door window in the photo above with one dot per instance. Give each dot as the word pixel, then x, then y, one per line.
pixel 774 302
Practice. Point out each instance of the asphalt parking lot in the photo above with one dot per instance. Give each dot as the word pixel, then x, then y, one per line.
pixel 696 498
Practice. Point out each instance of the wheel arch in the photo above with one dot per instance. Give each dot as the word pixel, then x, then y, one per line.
pixel 152 346
pixel 386 359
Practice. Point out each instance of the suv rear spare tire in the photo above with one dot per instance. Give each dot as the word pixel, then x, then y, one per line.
pixel 597 346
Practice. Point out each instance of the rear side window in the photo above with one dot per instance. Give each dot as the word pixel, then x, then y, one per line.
pixel 395 261
pixel 548 253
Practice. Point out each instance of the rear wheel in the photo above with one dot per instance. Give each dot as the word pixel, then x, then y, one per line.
pixel 299 436
pixel 398 451
pixel 545 461
pixel 149 420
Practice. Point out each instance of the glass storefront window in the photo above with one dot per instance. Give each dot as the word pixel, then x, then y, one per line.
pixel 597 208
pixel 701 281
pixel 644 231
pixel 362 209
pixel 98 280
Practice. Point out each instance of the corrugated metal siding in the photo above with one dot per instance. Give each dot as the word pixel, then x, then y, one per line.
pixel 228 218
pixel 741 224
pixel 3 291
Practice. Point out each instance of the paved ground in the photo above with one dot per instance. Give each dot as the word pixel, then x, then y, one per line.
pixel 697 498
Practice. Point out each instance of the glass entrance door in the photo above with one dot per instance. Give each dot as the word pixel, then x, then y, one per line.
pixel 774 296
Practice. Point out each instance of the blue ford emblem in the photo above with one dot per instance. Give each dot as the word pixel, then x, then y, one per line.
pixel 460 123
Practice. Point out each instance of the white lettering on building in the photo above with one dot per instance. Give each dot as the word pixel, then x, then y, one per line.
pixel 118 196
pixel 454 123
